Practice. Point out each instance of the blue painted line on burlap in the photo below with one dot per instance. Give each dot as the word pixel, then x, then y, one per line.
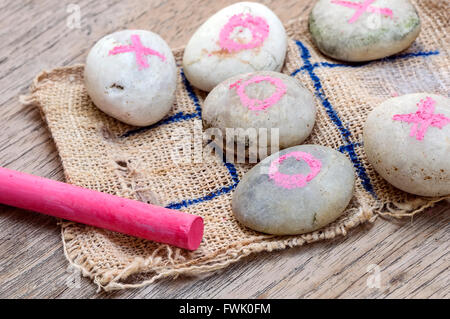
pixel 178 117
pixel 334 116
pixel 306 56
pixel 362 64
pixel 221 191
pixel 360 170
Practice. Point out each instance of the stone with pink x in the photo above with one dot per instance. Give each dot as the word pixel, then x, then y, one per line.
pixel 423 118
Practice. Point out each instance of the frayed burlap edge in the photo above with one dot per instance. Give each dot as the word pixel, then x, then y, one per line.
pixel 234 255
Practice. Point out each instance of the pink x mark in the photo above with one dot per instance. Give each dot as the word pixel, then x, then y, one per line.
pixel 423 118
pixel 139 50
pixel 363 7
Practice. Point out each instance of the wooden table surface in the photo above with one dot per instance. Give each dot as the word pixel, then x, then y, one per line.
pixel 390 259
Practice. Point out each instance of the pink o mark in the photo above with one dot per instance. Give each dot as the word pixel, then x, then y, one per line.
pixel 297 180
pixel 257 26
pixel 255 104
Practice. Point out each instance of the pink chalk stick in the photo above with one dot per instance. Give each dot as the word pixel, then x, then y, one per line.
pixel 100 209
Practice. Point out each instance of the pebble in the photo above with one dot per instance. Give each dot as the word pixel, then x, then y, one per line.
pixel 295 191
pixel 363 30
pixel 241 38
pixel 407 141
pixel 131 75
pixel 261 100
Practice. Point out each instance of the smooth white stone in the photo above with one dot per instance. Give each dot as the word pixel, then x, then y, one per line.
pixel 262 205
pixel 420 167
pixel 121 89
pixel 373 36
pixel 206 63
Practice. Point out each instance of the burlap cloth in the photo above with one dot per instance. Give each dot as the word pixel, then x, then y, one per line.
pixel 101 153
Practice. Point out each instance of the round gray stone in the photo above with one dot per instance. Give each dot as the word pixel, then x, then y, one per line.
pixel 280 205
pixel 370 36
pixel 293 113
pixel 415 161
